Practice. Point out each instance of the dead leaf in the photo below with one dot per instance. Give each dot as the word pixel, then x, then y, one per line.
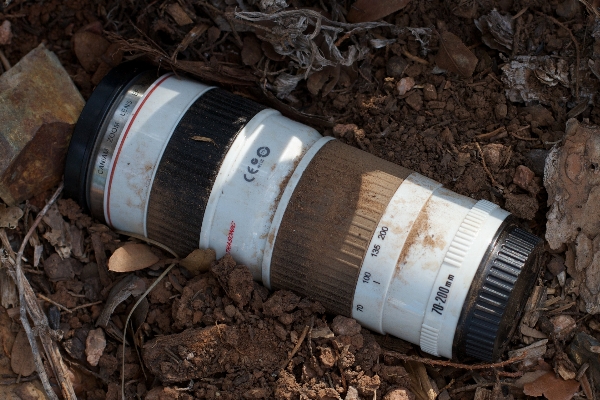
pixel 131 257
pixel 204 139
pixel 370 10
pixel 552 387
pixel 21 356
pixel 9 216
pixel 131 285
pixel 199 260
pixel 454 56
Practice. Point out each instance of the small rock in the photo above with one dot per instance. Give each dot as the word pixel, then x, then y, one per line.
pixel 556 265
pixel 327 357
pixel 494 155
pixel 344 326
pixel 280 302
pixel 563 325
pixel 394 374
pixel 327 394
pixel 89 47
pixel 415 101
pixel 251 51
pixel 230 310
pixel 322 333
pixel 396 66
pixel 57 269
pixel 405 85
pixel 399 394
pixel 94 346
pixel 537 157
pixel 236 280
pixel 5 33
pixel 501 110
pixel 523 177
pixel 429 92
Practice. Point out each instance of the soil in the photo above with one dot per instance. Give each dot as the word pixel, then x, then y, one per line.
pixel 217 334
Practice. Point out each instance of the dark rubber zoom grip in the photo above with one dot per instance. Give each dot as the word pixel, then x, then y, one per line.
pixel 497 294
pixel 188 167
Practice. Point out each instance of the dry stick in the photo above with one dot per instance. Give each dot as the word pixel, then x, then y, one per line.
pixel 557 22
pixel 491 134
pixel 443 363
pixel 294 350
pixel 65 309
pixel 40 320
pixel 414 58
pixel 137 303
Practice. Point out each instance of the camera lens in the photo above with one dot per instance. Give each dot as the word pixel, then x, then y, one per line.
pixel 191 166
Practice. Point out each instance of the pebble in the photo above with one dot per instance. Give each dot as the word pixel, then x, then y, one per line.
pixel 94 346
pixel 556 265
pixel 523 177
pixel 501 111
pixel 230 310
pixel 344 326
pixel 396 66
pixel 57 269
pixel 429 92
pixel 399 394
pixel 405 85
pixel 415 101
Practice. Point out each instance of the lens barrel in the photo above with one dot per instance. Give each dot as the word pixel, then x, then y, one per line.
pixel 194 166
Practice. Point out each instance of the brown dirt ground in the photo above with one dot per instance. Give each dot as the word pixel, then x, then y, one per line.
pixel 242 337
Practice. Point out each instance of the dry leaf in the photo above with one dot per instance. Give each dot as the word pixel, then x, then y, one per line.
pixel 199 260
pixel 454 56
pixel 552 387
pixel 9 216
pixel 21 357
pixel 131 257
pixel 369 10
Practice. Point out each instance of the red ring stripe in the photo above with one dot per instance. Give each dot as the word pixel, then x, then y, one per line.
pixel 114 164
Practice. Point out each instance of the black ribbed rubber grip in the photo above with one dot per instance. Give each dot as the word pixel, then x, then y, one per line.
pixel 188 168
pixel 509 274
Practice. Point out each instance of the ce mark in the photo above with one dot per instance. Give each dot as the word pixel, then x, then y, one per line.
pixel 261 152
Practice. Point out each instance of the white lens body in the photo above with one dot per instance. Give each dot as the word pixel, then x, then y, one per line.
pixel 412 286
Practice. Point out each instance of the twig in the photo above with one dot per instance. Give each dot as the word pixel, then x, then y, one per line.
pixel 294 350
pixel 529 139
pixel 41 296
pixel 85 306
pixel 28 303
pixel 517 15
pixel 435 363
pixel 4 60
pixel 142 297
pixel 557 22
pixel 491 134
pixel 414 58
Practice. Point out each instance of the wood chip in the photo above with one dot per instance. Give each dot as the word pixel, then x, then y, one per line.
pixel 179 15
pixel 132 257
pixel 534 333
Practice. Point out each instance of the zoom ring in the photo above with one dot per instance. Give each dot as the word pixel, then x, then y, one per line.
pixel 495 292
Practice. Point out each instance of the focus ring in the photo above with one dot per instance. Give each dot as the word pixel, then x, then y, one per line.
pixel 505 266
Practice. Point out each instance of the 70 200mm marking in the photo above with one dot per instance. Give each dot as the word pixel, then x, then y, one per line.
pixel 442 295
